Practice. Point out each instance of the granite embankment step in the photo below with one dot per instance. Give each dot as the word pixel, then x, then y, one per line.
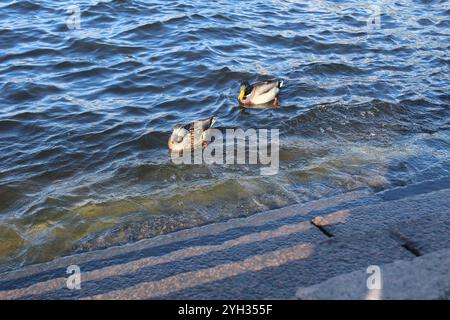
pixel 267 255
pixel 425 277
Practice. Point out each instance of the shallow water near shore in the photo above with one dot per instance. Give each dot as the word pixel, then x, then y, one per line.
pixel 85 114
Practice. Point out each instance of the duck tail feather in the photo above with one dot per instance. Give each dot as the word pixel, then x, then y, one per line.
pixel 280 84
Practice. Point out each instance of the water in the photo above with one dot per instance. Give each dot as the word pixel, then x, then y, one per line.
pixel 85 114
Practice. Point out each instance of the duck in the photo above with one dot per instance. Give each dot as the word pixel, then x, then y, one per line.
pixel 259 93
pixel 190 135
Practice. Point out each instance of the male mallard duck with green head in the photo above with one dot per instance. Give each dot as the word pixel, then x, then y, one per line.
pixel 259 93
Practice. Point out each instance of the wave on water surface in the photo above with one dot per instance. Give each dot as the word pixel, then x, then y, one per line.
pixel 85 114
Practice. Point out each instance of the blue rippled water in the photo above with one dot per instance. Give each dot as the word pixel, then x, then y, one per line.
pixel 85 113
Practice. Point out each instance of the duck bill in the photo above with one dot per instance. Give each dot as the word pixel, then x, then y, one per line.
pixel 241 94
pixel 170 144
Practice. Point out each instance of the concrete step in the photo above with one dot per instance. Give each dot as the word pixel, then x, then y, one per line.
pixel 162 246
pixel 426 277
pixel 267 255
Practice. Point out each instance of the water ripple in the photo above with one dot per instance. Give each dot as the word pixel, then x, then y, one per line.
pixel 85 114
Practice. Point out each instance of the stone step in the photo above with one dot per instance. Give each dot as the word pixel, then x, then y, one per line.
pixel 352 244
pixel 174 246
pixel 426 277
pixel 267 255
pixel 421 222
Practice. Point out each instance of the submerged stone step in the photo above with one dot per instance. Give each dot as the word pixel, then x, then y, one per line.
pixel 267 255
pixel 422 187
pixel 261 229
pixel 207 234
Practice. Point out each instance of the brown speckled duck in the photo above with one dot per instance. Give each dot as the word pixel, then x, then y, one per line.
pixel 190 135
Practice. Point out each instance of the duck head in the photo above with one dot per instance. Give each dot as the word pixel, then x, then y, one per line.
pixel 245 90
pixel 177 137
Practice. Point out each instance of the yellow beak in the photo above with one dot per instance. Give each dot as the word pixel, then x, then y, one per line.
pixel 241 94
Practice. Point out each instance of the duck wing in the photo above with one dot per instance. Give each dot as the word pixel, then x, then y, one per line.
pixel 264 87
pixel 202 125
pixel 265 92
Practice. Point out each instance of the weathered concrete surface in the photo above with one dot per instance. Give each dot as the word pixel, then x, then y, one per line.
pixel 425 277
pixel 267 255
pixel 325 259
pixel 420 223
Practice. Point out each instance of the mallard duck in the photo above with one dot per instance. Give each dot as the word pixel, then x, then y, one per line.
pixel 259 93
pixel 190 135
